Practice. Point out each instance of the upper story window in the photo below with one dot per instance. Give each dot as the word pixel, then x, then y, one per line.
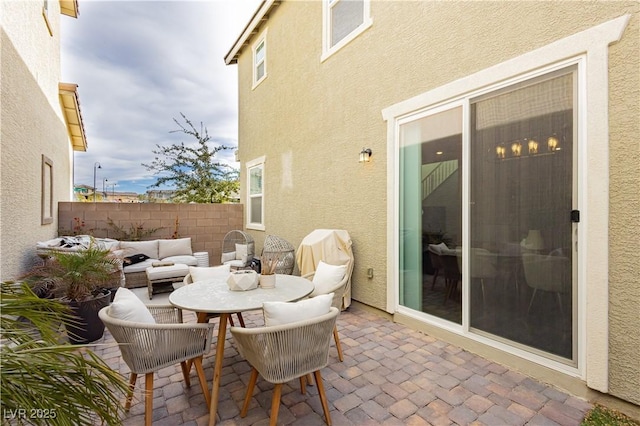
pixel 343 20
pixel 255 194
pixel 260 59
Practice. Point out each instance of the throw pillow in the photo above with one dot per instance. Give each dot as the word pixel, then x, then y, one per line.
pixel 327 277
pixel 242 251
pixel 128 307
pixel 177 247
pixel 278 313
pixel 210 273
pixel 227 257
pixel 133 259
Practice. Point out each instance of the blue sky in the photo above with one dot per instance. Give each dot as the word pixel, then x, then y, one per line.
pixel 138 65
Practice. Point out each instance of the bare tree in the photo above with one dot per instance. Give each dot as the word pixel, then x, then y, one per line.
pixel 195 173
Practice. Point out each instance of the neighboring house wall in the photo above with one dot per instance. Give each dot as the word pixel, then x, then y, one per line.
pixel 32 127
pixel 310 119
pixel 206 224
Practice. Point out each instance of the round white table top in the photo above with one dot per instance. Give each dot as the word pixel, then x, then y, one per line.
pixel 214 296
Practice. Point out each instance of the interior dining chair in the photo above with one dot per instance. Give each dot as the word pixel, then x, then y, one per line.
pixel 435 251
pixel 331 279
pixel 281 353
pixel 548 274
pixel 154 338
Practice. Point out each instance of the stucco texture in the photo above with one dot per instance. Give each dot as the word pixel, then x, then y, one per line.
pixel 311 119
pixel 31 126
pixel 624 210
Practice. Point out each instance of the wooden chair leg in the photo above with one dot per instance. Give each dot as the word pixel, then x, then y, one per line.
pixel 303 384
pixel 203 380
pixel 132 385
pixel 250 386
pixel 435 277
pixel 337 339
pixel 323 397
pixel 186 368
pixel 275 404
pixel 239 314
pixel 148 399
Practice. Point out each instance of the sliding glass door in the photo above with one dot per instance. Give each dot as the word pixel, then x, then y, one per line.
pixel 510 275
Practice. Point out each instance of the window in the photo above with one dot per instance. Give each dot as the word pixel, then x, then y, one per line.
pixel 260 59
pixel 343 20
pixel 47 191
pixel 255 194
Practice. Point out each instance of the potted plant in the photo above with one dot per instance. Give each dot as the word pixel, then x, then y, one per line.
pixel 82 280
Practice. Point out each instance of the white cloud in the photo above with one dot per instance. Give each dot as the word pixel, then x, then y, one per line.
pixel 138 65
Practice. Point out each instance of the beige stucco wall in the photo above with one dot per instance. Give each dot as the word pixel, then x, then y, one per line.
pixel 31 125
pixel 624 220
pixel 310 119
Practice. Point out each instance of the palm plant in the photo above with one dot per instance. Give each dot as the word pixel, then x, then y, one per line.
pixel 75 276
pixel 44 382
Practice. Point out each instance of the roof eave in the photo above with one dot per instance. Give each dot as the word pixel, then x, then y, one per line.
pixel 69 8
pixel 70 104
pixel 251 29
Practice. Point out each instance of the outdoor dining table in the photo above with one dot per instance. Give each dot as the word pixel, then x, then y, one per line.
pixel 214 296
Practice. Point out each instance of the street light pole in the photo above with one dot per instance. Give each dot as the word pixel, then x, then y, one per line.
pixel 96 165
pixel 104 180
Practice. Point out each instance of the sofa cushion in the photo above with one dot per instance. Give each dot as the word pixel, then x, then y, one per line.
pixel 185 259
pixel 278 313
pixel 150 248
pixel 177 247
pixel 139 267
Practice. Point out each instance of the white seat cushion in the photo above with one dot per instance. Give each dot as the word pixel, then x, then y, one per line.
pixel 164 272
pixel 235 263
pixel 139 267
pixel 277 313
pixel 184 259
pixel 327 277
pixel 212 272
pixel 128 307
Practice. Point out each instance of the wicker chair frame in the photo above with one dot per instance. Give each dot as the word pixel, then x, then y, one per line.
pixel 147 348
pixel 275 246
pixel 337 301
pixel 285 352
pixel 238 237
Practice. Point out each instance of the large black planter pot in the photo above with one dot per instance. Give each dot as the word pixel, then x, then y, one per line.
pixel 88 327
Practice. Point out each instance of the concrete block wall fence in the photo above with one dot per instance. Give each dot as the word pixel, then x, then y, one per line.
pixel 206 224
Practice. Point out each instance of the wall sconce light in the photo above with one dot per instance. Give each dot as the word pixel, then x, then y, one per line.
pixel 365 155
pixel 516 149
pixel 533 146
pixel 500 151
pixel 552 143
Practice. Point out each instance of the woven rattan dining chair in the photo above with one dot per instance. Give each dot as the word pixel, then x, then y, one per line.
pixel 147 348
pixel 282 353
pixel 338 293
